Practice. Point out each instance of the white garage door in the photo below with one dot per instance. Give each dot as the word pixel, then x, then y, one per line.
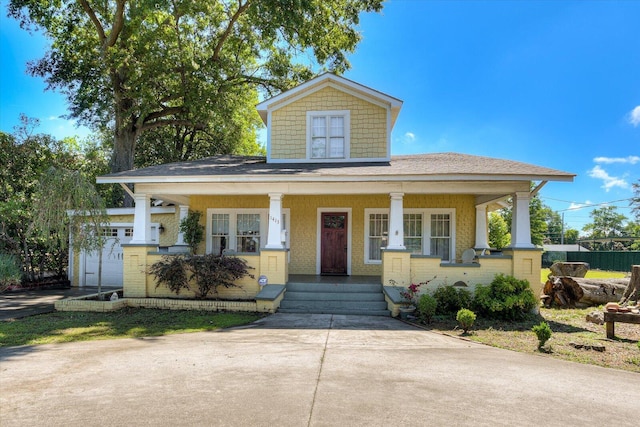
pixel 112 264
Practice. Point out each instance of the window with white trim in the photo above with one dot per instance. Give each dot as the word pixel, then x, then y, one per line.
pixel 239 230
pixel 440 236
pixel 426 232
pixel 328 134
pixel 377 235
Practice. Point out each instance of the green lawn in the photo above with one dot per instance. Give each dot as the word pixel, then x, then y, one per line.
pixel 62 327
pixel 591 274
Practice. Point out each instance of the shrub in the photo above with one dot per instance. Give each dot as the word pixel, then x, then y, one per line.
pixel 465 318
pixel 10 273
pixel 426 307
pixel 450 299
pixel 505 298
pixel 543 332
pixel 201 274
pixel 193 230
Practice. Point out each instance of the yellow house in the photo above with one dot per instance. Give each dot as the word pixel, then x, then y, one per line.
pixel 329 203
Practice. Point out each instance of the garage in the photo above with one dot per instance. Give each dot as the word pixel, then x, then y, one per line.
pixel 112 259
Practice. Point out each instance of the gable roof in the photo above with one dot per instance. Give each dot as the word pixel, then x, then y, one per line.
pixel 421 167
pixel 337 82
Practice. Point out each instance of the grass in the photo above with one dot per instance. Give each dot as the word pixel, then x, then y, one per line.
pixel 569 326
pixel 61 327
pixel 591 274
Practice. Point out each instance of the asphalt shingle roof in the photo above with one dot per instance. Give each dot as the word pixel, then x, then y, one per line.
pixel 436 165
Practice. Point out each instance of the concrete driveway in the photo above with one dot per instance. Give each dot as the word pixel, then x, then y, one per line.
pixel 299 370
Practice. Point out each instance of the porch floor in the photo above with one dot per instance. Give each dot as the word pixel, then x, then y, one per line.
pixel 347 280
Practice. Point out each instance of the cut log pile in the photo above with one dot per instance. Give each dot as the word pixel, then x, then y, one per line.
pixel 566 291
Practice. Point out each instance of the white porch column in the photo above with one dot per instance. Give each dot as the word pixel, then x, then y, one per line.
pixel 142 219
pixel 481 228
pixel 274 240
pixel 184 211
pixel 396 222
pixel 520 221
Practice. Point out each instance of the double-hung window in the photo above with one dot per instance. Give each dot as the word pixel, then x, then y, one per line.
pixel 328 134
pixel 239 230
pixel 426 232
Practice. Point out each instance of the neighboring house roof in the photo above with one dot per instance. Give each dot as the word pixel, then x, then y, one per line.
pixel 421 167
pixel 331 80
pixel 564 248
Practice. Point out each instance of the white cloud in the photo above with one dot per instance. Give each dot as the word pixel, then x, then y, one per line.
pixel 577 206
pixel 409 137
pixel 609 181
pixel 634 116
pixel 53 118
pixel 609 160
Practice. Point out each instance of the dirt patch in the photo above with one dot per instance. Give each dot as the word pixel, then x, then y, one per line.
pixel 573 338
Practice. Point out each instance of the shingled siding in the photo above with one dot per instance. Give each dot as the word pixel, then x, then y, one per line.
pixel 368 125
pixel 304 211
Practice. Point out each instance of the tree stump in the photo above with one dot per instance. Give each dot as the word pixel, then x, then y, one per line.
pixel 570 269
pixel 632 293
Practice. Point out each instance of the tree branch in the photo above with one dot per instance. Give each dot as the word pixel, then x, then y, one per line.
pixel 170 122
pixel 241 9
pixel 118 23
pixel 167 111
pixel 94 19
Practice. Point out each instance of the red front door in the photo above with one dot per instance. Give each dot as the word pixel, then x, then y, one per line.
pixel 333 243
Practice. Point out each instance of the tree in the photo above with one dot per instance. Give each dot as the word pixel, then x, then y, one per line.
pixel 635 200
pixel 606 223
pixel 25 155
pixel 571 236
pixel 141 66
pixel 61 191
pixel 499 236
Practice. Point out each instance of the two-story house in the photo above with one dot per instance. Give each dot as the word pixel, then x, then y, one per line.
pixel 329 199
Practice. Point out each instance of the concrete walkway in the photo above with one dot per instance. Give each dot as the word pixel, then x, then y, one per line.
pixel 15 305
pixel 306 370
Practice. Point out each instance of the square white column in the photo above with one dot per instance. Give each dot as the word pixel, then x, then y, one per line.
pixel 396 222
pixel 183 212
pixel 142 219
pixel 520 221
pixel 274 238
pixel 481 228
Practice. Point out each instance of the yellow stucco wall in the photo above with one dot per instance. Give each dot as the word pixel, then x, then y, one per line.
pixel 368 125
pixel 304 227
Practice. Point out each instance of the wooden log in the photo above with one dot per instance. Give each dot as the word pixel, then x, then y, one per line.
pixel 575 291
pixel 572 269
pixel 632 292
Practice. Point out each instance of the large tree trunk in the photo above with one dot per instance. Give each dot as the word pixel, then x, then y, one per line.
pixel 632 293
pixel 566 291
pixel 124 146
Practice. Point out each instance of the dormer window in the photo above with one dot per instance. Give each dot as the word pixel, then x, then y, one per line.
pixel 328 134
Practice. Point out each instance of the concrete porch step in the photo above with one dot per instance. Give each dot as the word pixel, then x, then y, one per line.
pixel 384 313
pixel 334 298
pixel 334 287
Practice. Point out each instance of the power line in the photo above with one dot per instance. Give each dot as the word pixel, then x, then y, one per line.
pixel 588 205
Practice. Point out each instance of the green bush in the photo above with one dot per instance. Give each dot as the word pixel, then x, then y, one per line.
pixel 465 318
pixel 450 299
pixel 505 298
pixel 201 274
pixel 426 307
pixel 10 273
pixel 543 332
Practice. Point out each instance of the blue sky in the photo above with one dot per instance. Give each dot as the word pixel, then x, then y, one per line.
pixel 553 83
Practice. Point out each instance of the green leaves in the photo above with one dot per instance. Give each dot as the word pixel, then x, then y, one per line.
pixel 195 67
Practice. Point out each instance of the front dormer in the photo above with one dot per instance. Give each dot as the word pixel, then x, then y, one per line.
pixel 329 119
